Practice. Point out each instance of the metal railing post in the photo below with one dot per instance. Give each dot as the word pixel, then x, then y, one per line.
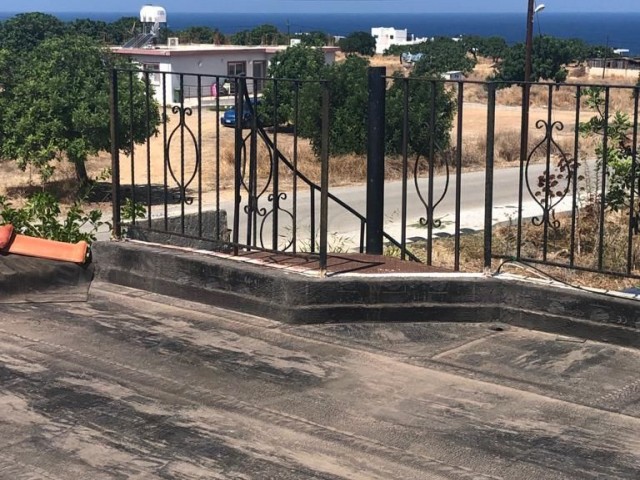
pixel 324 181
pixel 238 142
pixel 375 160
pixel 488 185
pixel 115 155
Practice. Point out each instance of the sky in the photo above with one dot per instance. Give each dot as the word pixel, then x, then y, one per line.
pixel 319 6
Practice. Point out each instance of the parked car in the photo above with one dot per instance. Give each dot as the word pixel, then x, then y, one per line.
pixel 228 119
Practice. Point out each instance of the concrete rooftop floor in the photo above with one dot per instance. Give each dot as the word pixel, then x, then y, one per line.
pixel 135 385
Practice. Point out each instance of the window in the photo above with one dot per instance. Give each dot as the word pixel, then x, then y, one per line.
pixel 259 71
pixel 234 69
pixel 154 72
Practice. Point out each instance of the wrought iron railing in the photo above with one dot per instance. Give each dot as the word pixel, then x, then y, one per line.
pixel 473 187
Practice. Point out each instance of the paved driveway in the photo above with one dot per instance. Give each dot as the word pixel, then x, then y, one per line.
pixel 135 385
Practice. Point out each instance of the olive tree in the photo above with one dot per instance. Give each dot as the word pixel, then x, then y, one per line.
pixel 358 42
pixel 23 32
pixel 290 71
pixel 58 107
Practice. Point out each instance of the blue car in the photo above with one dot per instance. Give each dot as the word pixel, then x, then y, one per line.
pixel 228 119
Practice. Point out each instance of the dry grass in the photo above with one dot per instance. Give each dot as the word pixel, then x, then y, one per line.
pixel 504 245
pixel 17 184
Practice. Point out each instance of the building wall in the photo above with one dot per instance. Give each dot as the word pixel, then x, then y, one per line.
pixel 597 72
pixel 214 64
pixel 386 36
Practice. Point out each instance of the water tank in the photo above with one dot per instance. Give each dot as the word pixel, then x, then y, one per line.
pixel 153 14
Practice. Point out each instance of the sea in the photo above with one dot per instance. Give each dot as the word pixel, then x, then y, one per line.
pixel 618 30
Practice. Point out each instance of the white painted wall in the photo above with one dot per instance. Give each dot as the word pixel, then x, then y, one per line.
pixel 387 36
pixel 597 72
pixel 211 62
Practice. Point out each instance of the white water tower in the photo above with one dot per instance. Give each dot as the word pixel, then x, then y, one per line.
pixel 151 16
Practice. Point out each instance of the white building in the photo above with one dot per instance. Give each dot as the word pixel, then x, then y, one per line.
pixel 453 75
pixel 388 36
pixel 182 64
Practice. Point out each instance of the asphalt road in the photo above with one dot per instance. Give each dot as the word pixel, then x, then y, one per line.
pixel 134 385
pixel 345 225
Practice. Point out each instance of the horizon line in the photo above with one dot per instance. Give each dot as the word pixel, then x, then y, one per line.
pixel 321 13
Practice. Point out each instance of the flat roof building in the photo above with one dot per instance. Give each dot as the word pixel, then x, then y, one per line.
pixel 174 68
pixel 388 36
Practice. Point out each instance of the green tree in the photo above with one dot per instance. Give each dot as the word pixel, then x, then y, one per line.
pixel 348 93
pixel 313 39
pixel 618 150
pixel 550 56
pixel 442 55
pixel 489 47
pixel 58 106
pixel 261 35
pixel 122 30
pixel 23 32
pixel 423 94
pixel 299 63
pixel 358 42
pixel 200 35
pixel 439 55
pixel 95 29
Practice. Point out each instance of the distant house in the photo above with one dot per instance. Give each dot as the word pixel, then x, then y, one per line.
pixel 387 36
pixel 453 75
pixel 181 63
pixel 616 66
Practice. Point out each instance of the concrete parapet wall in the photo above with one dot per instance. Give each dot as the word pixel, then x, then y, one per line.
pixel 295 298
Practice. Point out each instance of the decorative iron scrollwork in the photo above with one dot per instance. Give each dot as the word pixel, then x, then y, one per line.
pixel 428 220
pixel 550 187
pixel 265 160
pixel 182 127
pixel 271 198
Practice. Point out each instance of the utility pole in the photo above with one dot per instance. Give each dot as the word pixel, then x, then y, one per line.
pixel 604 62
pixel 529 41
pixel 526 90
pixel 526 87
pixel 288 32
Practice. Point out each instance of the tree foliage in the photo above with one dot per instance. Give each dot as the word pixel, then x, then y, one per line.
pixel 58 107
pixel 347 83
pixel 201 35
pixel 348 94
pixel 315 38
pixel 618 150
pixel 493 47
pixel 441 55
pixel 549 58
pixel 430 109
pixel 261 35
pixel 95 29
pixel 358 42
pixel 122 30
pixel 295 66
pixel 23 32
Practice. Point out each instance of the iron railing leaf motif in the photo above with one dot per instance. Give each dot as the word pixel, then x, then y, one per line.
pixel 428 220
pixel 179 176
pixel 552 186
